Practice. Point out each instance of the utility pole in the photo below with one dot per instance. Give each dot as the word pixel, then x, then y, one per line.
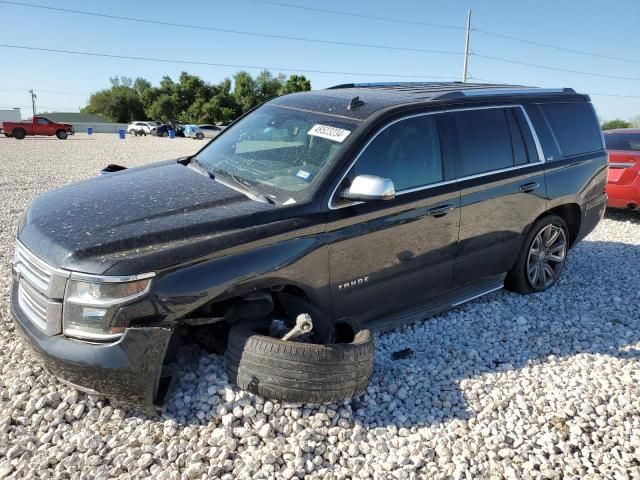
pixel 466 49
pixel 33 101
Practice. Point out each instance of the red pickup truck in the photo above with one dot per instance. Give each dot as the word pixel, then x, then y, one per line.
pixel 37 126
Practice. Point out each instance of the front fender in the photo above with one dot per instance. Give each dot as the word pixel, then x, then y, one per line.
pixel 302 262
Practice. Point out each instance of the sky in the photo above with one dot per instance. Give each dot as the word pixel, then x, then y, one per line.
pixel 63 82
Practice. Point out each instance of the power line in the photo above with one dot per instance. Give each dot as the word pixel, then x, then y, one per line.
pixel 41 107
pixel 225 30
pixel 262 67
pixel 55 92
pixel 612 95
pixel 211 64
pixel 436 25
pixel 360 15
pixel 557 69
pixel 335 42
pixel 554 47
pixel 598 94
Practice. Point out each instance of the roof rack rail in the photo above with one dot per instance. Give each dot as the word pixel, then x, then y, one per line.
pixel 391 84
pixel 497 90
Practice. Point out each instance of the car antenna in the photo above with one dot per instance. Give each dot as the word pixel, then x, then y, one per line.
pixel 355 103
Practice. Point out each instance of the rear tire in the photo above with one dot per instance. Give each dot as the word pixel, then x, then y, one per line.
pixel 61 134
pixel 542 258
pixel 295 371
pixel 199 136
pixel 19 133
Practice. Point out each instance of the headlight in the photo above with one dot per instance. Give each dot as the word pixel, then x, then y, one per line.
pixel 89 304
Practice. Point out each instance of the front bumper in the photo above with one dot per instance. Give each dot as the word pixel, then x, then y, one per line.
pixel 127 370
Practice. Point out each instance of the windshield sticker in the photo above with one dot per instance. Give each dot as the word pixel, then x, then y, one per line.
pixel 330 133
pixel 303 174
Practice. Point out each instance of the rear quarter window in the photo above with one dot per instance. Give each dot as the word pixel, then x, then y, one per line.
pixel 575 127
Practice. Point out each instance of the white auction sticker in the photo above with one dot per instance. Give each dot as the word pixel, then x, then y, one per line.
pixel 331 133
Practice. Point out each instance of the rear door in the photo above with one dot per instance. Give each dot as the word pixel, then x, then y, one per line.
pixel 500 171
pixel 385 255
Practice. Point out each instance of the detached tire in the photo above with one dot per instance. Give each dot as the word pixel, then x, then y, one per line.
pixel 295 371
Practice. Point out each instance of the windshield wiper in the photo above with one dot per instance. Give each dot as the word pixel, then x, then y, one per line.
pixel 246 187
pixel 199 166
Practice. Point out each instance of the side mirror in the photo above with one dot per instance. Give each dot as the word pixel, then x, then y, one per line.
pixel 369 187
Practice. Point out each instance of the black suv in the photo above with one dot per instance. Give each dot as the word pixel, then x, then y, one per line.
pixel 309 221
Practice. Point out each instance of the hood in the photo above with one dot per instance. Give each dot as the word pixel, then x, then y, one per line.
pixel 91 225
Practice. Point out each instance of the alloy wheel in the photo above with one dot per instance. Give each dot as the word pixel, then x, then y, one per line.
pixel 546 257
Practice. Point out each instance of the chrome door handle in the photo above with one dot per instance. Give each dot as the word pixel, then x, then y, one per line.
pixel 440 211
pixel 529 187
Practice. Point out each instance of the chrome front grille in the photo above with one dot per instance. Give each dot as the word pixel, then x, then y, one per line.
pixel 32 306
pixel 40 290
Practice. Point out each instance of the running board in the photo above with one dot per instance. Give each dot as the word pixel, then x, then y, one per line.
pixel 439 304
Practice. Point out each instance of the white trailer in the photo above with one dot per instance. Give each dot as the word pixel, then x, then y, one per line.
pixel 9 115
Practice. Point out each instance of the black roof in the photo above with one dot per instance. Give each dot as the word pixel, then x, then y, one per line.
pixel 360 100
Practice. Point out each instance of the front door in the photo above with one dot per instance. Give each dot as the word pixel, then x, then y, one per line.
pixel 385 255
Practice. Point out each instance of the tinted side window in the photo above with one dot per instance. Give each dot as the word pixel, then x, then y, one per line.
pixel 407 152
pixel 517 143
pixel 623 141
pixel 525 131
pixel 484 140
pixel 575 127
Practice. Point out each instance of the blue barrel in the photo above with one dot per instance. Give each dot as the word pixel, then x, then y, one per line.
pixel 89 130
pixel 172 133
pixel 121 133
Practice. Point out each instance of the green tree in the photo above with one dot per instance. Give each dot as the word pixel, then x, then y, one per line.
pixel 635 121
pixel 244 91
pixel 121 81
pixel 119 103
pixel 295 83
pixel 163 108
pixel 617 123
pixel 141 85
pixel 190 99
pixel 267 86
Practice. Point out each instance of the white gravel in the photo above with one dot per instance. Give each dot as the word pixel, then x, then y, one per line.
pixel 508 386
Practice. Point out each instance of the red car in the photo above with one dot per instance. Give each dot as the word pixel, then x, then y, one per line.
pixel 37 126
pixel 623 185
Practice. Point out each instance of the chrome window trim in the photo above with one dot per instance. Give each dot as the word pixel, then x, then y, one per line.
pixel 539 151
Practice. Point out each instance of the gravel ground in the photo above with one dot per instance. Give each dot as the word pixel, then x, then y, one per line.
pixel 507 386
